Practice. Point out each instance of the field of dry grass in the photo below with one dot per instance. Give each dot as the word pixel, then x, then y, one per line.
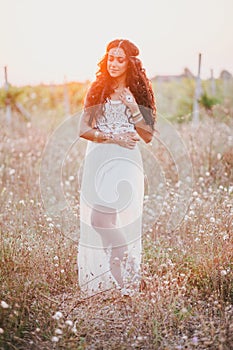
pixel 187 296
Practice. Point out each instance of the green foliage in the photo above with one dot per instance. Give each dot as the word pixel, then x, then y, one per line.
pixel 207 101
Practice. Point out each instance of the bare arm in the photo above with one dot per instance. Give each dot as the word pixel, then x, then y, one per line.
pixel 127 139
pixel 144 130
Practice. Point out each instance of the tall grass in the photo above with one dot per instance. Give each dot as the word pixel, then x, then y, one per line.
pixel 186 301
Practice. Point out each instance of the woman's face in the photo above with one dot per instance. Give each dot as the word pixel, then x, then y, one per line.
pixel 117 62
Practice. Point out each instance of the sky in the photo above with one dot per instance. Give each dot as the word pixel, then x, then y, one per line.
pixel 52 41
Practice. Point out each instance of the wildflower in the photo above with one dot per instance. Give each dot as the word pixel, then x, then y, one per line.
pixel 195 194
pixel 1 331
pixel 184 310
pixel 225 237
pixel 58 331
pixel 55 258
pixel 223 272
pixel 62 271
pixel 69 323
pixel 195 340
pixel 74 329
pixel 4 305
pixel 57 315
pixel 55 339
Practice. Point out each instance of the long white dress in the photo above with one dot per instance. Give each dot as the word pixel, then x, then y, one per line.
pixel 112 177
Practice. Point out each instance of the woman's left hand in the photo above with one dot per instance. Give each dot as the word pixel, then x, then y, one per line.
pixel 128 99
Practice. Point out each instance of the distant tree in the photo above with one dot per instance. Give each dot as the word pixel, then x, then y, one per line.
pixel 10 96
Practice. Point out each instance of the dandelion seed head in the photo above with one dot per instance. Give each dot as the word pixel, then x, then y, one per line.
pixel 195 340
pixel 58 331
pixel 54 339
pixel 57 316
pixel 4 305
pixel 223 272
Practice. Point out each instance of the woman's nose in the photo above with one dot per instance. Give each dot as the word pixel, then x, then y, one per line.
pixel 114 62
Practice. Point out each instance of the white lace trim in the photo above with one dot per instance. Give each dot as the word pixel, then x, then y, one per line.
pixel 115 118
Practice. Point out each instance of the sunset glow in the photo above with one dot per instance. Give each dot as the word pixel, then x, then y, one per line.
pixel 49 41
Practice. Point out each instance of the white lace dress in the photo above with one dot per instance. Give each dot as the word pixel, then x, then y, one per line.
pixel 112 177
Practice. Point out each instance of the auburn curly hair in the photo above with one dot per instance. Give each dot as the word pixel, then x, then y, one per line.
pixel 136 80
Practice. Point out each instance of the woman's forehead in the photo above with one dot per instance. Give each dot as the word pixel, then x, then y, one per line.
pixel 117 51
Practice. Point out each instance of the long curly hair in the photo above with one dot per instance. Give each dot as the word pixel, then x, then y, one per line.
pixel 136 80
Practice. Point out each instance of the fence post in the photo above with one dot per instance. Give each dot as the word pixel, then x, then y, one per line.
pixel 195 119
pixel 8 102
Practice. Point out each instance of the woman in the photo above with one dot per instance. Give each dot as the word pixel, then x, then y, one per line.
pixel 119 111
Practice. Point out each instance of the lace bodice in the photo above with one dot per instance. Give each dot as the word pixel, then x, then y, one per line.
pixel 115 118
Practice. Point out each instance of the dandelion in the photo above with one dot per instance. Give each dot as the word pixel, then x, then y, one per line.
pixel 4 305
pixel 195 340
pixel 184 310
pixel 69 323
pixel 55 339
pixel 11 171
pixel 74 329
pixel 57 316
pixel 223 272
pixel 58 331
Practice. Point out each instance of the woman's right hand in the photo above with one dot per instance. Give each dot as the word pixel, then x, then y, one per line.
pixel 127 139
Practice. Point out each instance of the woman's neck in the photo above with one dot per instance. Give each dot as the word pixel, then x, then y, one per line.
pixel 119 83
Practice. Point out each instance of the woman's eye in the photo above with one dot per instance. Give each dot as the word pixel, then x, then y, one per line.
pixel 120 60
